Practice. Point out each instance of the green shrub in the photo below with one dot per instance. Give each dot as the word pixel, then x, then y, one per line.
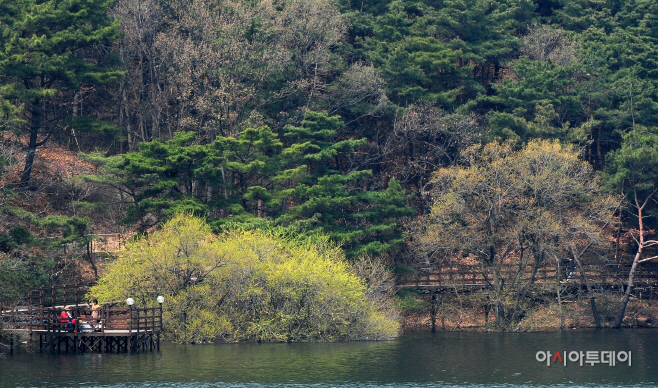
pixel 409 302
pixel 245 285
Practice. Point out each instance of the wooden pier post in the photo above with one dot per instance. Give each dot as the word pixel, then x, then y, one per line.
pixel 433 311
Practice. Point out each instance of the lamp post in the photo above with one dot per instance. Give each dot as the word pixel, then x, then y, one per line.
pixel 130 302
pixel 160 300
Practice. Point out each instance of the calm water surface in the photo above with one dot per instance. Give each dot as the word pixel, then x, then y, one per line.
pixel 414 360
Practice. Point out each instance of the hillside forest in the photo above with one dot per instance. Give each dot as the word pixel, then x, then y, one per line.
pixel 404 133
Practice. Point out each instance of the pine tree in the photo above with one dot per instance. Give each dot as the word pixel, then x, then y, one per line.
pixel 44 50
pixel 257 181
pixel 365 221
pixel 444 51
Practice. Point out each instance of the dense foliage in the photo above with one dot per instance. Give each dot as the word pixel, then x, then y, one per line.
pixel 311 116
pixel 245 286
pixel 296 184
pixel 44 53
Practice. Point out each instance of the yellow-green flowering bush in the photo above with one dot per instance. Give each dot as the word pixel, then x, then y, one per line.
pixel 243 285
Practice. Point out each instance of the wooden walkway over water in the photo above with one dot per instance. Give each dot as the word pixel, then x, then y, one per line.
pixel 119 329
pixel 460 278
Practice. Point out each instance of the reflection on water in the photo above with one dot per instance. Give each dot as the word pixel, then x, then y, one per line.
pixel 414 360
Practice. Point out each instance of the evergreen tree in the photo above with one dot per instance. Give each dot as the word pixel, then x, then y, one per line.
pixel 446 51
pixel 255 181
pixel 364 220
pixel 155 182
pixel 43 50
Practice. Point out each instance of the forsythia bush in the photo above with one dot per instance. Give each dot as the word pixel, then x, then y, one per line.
pixel 246 286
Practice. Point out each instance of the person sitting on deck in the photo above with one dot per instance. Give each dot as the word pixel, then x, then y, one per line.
pixel 65 317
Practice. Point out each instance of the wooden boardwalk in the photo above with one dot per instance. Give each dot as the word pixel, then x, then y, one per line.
pixel 119 329
pixel 458 278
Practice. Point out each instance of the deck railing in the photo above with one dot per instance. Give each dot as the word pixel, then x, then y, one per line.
pixel 27 318
pixel 474 275
pixel 57 295
pixel 147 319
pixel 134 320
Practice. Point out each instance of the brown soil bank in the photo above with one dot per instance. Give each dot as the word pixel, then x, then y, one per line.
pixel 465 314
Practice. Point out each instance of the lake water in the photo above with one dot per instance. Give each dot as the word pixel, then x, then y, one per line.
pixel 414 360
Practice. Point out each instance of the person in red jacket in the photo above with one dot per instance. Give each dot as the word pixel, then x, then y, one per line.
pixel 65 317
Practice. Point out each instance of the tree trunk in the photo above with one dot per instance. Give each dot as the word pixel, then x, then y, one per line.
pixel 260 211
pixel 595 311
pixel 524 292
pixel 209 193
pixel 636 260
pixel 629 287
pixel 433 312
pixel 500 315
pixel 599 153
pixel 621 215
pixel 559 296
pixel 91 260
pixel 35 125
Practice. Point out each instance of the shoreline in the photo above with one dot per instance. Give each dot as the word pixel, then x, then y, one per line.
pixel 466 316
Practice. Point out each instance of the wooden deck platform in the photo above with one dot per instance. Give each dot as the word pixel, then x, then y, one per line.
pixel 119 329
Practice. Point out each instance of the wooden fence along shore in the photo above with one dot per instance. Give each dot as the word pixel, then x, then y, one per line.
pixel 119 329
pixel 463 277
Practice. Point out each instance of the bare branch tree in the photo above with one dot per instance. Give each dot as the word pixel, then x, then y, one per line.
pixel 543 43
